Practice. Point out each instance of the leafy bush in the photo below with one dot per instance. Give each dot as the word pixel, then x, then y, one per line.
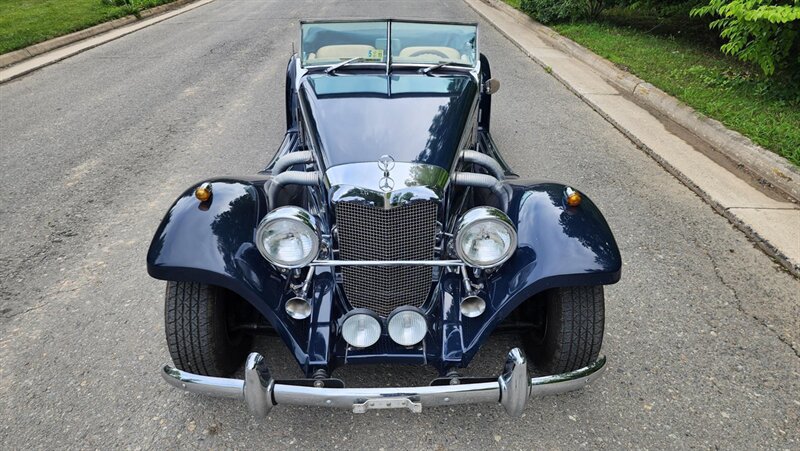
pixel 764 32
pixel 550 11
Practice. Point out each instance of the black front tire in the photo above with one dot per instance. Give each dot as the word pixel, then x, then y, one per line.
pixel 197 319
pixel 569 329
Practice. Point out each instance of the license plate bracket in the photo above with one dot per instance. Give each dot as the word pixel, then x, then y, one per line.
pixel 387 403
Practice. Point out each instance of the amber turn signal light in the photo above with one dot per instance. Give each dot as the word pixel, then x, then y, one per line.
pixel 203 192
pixel 572 197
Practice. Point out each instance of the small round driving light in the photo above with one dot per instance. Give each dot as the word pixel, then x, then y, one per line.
pixel 572 197
pixel 203 192
pixel 472 306
pixel 288 238
pixel 485 237
pixel 298 308
pixel 407 326
pixel 361 328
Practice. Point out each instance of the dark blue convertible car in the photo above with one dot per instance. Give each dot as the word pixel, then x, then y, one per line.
pixel 386 229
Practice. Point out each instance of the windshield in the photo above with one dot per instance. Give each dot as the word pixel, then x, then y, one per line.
pixel 368 42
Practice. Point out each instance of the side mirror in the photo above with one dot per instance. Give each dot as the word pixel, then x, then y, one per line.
pixel 491 86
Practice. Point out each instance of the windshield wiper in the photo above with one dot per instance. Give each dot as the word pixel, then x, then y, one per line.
pixel 343 63
pixel 428 70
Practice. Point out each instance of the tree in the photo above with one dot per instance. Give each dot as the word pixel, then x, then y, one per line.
pixel 763 32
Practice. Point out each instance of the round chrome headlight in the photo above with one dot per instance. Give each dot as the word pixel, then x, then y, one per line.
pixel 407 326
pixel 361 328
pixel 485 237
pixel 288 238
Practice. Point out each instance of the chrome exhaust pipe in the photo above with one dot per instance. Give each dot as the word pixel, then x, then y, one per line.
pixel 491 165
pixel 498 187
pixel 291 159
pixel 290 178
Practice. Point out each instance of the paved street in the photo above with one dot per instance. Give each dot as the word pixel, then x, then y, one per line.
pixel 703 331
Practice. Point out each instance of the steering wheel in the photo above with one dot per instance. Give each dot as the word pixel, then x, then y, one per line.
pixel 429 52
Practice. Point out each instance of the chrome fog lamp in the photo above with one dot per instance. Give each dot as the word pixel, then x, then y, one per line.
pixel 485 237
pixel 407 326
pixel 288 237
pixel 361 328
pixel 298 308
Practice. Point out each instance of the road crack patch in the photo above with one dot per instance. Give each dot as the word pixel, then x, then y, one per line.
pixel 740 308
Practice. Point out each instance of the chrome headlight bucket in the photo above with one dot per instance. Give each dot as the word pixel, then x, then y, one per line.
pixel 288 237
pixel 485 237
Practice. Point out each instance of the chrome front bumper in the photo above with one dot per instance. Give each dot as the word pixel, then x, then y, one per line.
pixel 261 392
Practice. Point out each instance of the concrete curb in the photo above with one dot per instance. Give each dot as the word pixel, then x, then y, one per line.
pixel 18 56
pixel 728 213
pixel 753 160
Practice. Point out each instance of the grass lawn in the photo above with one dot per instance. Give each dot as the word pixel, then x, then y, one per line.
pixel 26 22
pixel 712 83
pixel 718 86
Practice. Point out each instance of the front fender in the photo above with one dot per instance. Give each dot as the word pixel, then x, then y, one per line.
pixel 557 246
pixel 215 236
pixel 213 242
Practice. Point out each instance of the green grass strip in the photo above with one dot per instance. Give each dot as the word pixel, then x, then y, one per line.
pixel 708 81
pixel 27 22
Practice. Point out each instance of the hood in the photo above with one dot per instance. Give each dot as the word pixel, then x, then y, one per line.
pixel 412 118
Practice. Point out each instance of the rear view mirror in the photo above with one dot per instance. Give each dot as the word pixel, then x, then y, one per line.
pixel 491 86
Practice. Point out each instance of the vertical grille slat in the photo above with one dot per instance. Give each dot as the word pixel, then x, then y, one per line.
pixel 407 232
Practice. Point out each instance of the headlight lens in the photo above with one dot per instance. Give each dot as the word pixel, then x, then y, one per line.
pixel 407 326
pixel 361 329
pixel 485 237
pixel 287 237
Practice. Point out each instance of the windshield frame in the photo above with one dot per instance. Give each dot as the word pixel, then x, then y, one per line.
pixel 389 64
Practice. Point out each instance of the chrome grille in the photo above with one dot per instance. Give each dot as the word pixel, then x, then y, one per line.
pixel 407 232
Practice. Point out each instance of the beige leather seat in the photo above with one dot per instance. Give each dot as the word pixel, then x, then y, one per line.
pixel 341 52
pixel 450 52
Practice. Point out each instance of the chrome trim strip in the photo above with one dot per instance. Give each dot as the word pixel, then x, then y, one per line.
pixel 512 389
pixel 566 382
pixel 389 53
pixel 386 263
pixel 346 398
pixel 219 387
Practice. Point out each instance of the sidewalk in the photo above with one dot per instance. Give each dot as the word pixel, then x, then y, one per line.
pixel 769 218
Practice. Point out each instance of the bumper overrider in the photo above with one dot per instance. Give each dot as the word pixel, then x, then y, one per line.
pixel 261 392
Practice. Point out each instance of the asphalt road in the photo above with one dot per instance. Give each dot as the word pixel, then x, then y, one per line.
pixel 703 331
